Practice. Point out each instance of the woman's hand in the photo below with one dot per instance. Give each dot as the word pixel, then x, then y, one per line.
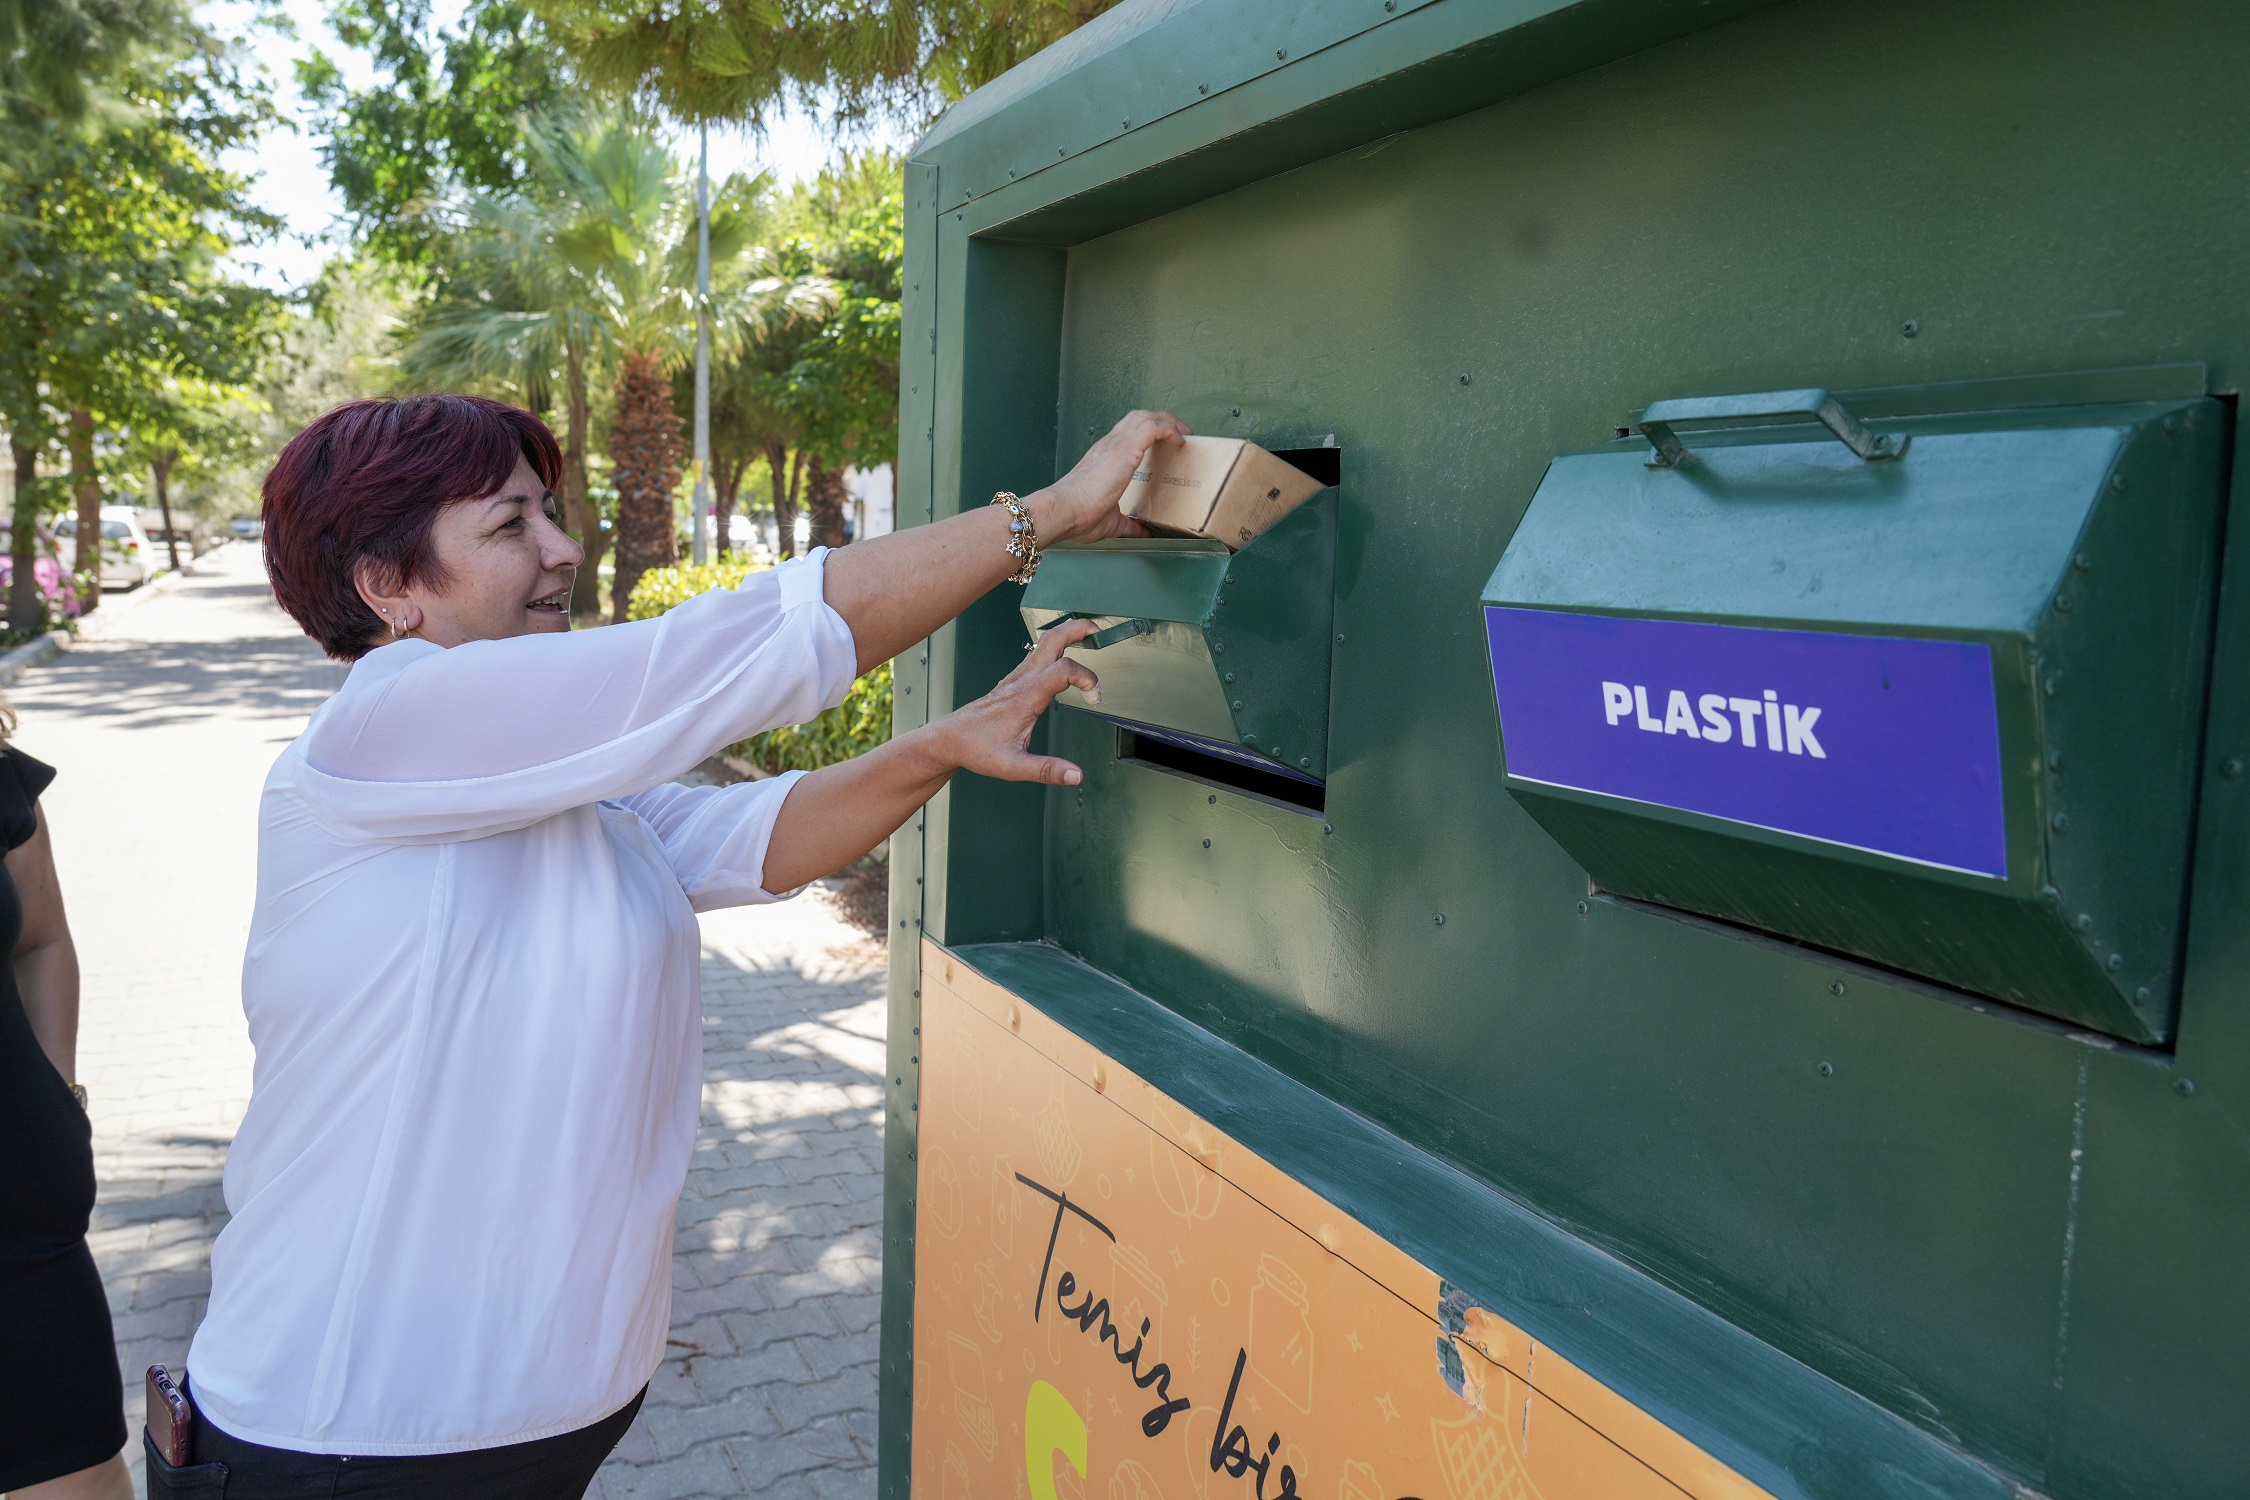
pixel 839 812
pixel 990 736
pixel 1082 505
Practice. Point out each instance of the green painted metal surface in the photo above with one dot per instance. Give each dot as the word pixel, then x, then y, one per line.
pixel 2077 544
pixel 2021 1241
pixel 1236 645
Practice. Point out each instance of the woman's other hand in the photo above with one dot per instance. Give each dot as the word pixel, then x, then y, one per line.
pixel 837 813
pixel 991 735
pixel 1082 505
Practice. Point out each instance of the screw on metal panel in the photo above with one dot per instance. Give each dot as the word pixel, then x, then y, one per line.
pixel 1584 908
pixel 1339 640
pixel 1441 919
pixel 2053 683
pixel 1062 151
pixel 1327 828
pixel 1911 327
pixel 2116 962
pixel 1234 411
pixel 1230 677
pixel 2054 760
pixel 1206 843
pixel 2143 995
pixel 2082 562
pixel 2085 921
pixel 1390 4
pixel 2051 896
pixel 917 1030
pixel 1203 88
pixel 1213 799
pixel 1238 705
pixel 2231 767
pixel 1836 988
pixel 1011 172
pixel 1304 762
pixel 2062 603
pixel 1828 1070
pixel 1464 377
pixel 2117 481
pixel 1219 648
pixel 2059 822
pixel 2183 1086
pixel 1281 54
pixel 1125 124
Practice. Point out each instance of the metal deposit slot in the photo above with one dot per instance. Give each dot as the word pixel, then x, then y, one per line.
pixel 1174 755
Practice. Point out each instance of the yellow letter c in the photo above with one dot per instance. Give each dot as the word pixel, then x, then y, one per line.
pixel 1051 1425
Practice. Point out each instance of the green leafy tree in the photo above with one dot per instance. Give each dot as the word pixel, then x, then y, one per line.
pixel 55 55
pixel 447 119
pixel 110 289
pixel 739 63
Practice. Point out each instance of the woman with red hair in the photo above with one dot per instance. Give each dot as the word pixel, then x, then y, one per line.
pixel 472 972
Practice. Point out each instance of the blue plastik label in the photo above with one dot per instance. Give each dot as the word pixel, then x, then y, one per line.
pixel 1877 743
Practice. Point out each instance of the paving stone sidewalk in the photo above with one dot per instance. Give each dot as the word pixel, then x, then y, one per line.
pixel 163 731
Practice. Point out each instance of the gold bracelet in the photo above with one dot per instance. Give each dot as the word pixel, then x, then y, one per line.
pixel 1023 538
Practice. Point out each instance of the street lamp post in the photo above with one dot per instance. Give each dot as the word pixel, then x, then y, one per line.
pixel 701 546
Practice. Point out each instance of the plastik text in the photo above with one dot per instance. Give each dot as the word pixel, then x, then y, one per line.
pixel 1719 718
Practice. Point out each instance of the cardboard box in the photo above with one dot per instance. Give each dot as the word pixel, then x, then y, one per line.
pixel 1227 489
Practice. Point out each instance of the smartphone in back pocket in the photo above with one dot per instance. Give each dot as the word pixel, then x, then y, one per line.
pixel 171 1418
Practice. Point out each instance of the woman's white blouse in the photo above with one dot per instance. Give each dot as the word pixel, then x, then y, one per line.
pixel 472 984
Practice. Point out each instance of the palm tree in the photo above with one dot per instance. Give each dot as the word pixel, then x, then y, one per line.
pixel 591 269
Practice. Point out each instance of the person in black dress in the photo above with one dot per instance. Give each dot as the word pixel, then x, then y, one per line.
pixel 62 1421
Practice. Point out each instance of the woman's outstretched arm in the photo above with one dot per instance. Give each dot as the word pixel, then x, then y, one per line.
pixel 894 590
pixel 839 812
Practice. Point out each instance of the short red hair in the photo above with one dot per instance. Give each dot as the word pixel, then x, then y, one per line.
pixel 363 484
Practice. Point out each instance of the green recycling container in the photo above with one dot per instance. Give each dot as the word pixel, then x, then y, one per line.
pixel 1682 927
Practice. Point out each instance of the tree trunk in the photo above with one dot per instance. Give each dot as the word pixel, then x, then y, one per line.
pixel 726 485
pixel 161 471
pixel 27 609
pixel 784 498
pixel 796 501
pixel 578 505
pixel 825 501
pixel 644 451
pixel 87 485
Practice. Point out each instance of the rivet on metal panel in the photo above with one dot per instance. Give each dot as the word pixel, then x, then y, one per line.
pixel 1230 677
pixel 2183 1087
pixel 2085 921
pixel 1327 828
pixel 2117 481
pixel 1011 173
pixel 2054 760
pixel 1234 411
pixel 1238 705
pixel 1062 151
pixel 1281 54
pixel 1206 843
pixel 1305 762
pixel 1213 799
pixel 1464 377
pixel 1219 647
pixel 2059 822
pixel 2143 995
pixel 1339 640
pixel 1203 88
pixel 2231 767
pixel 2062 603
pixel 1390 4
pixel 1441 919
pixel 2052 897
pixel 2116 962
pixel 1837 988
pixel 1125 124
pixel 2053 683
pixel 2082 562
pixel 1828 1070
pixel 1583 908
pixel 1911 327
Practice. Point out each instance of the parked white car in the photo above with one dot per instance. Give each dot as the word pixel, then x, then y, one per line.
pixel 129 558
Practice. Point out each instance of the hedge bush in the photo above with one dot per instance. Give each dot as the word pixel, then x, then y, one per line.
pixel 854 727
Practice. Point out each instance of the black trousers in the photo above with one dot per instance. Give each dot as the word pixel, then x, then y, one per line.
pixel 227 1468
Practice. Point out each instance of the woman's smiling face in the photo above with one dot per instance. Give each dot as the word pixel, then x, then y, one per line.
pixel 504 568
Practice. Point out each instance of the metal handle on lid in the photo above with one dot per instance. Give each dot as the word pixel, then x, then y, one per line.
pixel 1658 421
pixel 1100 638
